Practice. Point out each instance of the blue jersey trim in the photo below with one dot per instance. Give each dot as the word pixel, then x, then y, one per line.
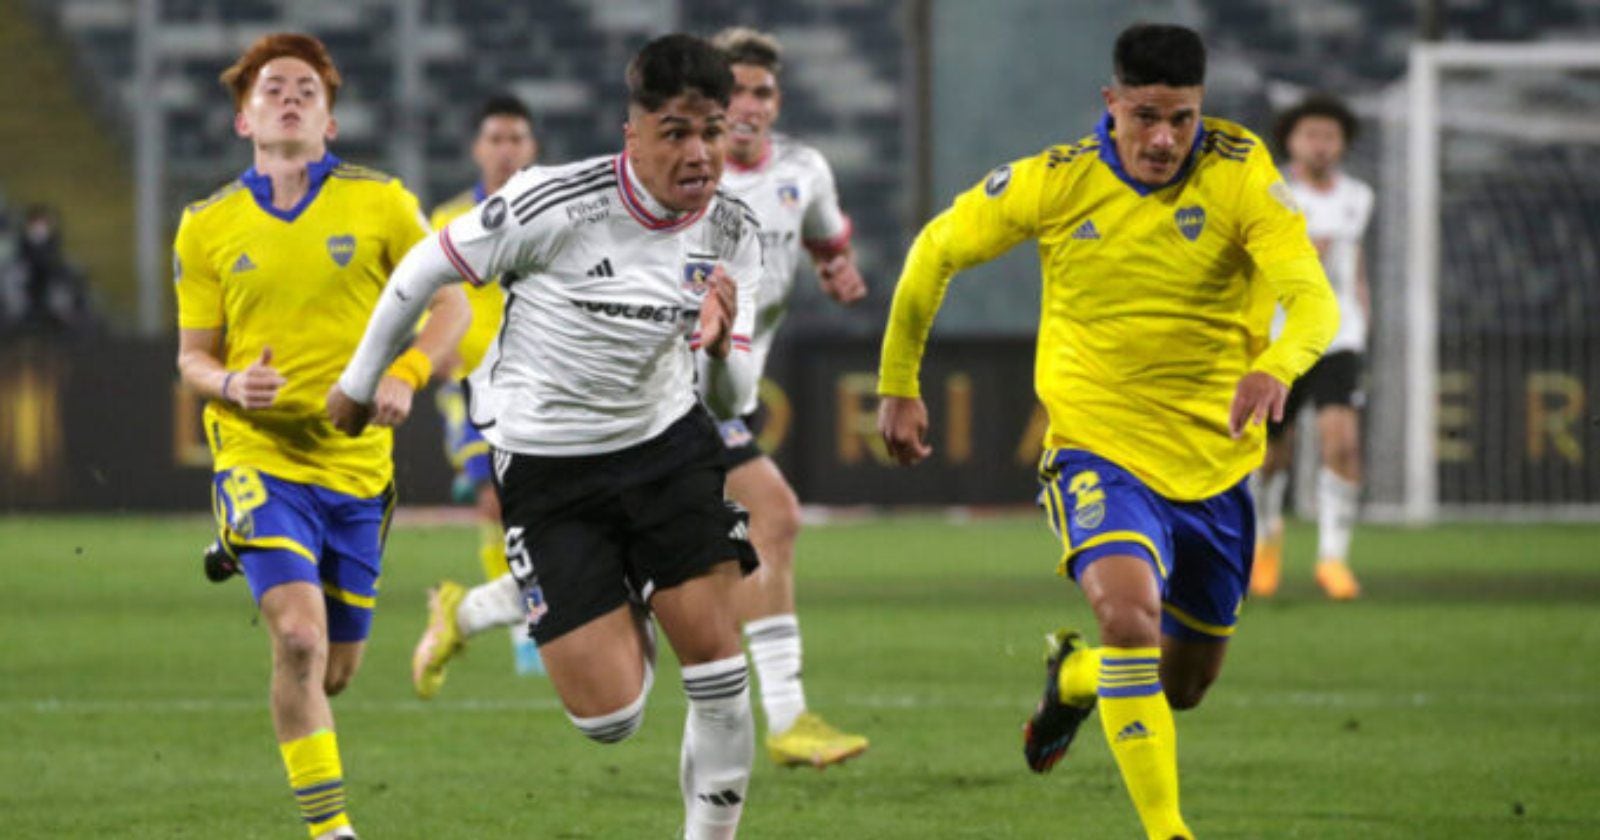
pixel 479 193
pixel 1108 153
pixel 260 187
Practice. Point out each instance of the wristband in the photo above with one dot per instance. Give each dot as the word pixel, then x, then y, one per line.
pixel 413 368
pixel 226 378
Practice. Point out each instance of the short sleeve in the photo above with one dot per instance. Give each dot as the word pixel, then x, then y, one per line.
pixel 407 225
pixel 195 279
pixel 824 225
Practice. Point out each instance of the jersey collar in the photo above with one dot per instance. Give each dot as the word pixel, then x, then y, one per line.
pixel 260 186
pixel 1108 153
pixel 761 162
pixel 642 206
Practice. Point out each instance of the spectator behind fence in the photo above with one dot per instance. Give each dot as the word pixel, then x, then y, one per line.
pixel 52 295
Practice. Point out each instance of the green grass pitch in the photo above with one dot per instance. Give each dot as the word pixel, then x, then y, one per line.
pixel 1460 699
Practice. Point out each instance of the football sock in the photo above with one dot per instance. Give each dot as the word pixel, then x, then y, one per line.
pixel 317 780
pixel 1336 515
pixel 1138 726
pixel 492 550
pixel 775 651
pixel 719 746
pixel 497 603
pixel 1269 503
pixel 1079 678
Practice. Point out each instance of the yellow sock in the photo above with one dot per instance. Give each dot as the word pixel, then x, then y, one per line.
pixel 1079 678
pixel 317 780
pixel 1138 725
pixel 492 550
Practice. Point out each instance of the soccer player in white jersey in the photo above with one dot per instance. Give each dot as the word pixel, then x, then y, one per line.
pixel 791 189
pixel 1316 134
pixel 609 468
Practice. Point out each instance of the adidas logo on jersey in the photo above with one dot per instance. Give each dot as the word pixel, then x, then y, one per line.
pixel 1087 230
pixel 602 269
pixel 243 264
pixel 1133 730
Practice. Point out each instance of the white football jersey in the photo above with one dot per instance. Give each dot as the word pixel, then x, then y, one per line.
pixel 603 293
pixel 793 195
pixel 1336 220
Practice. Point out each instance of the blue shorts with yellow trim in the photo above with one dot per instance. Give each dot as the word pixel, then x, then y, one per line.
pixel 284 532
pixel 463 443
pixel 1200 551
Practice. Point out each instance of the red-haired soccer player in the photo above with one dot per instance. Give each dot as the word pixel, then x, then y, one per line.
pixel 275 273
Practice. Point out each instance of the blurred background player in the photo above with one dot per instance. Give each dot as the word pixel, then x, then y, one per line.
pixel 271 272
pixel 1315 135
pixel 503 144
pixel 1154 366
pixel 610 470
pixel 791 188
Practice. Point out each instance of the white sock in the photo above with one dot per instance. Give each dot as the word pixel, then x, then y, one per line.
pixel 340 833
pixel 775 651
pixel 1269 503
pixel 1336 515
pixel 719 746
pixel 497 603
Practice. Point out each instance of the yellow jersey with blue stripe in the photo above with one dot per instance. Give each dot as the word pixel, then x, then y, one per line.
pixel 488 300
pixel 302 282
pixel 1157 300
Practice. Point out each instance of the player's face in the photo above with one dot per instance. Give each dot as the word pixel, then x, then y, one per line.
pixel 504 145
pixel 677 150
pixel 1155 126
pixel 1316 143
pixel 287 108
pixel 752 110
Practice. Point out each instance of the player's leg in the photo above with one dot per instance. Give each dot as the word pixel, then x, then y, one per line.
pixel 602 672
pixel 275 530
pixel 1213 544
pixel 1272 486
pixel 1339 479
pixel 700 620
pixel 1116 543
pixel 688 552
pixel 766 606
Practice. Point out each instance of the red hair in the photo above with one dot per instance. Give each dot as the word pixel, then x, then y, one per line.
pixel 239 78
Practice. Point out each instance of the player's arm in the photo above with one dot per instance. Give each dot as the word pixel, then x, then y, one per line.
pixel 201 321
pixel 1274 232
pixel 730 373
pixel 825 231
pixel 478 245
pixel 983 223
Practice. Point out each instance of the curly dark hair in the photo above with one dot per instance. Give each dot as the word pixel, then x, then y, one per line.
pixel 1316 105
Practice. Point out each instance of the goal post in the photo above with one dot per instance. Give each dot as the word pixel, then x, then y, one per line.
pixel 1486 375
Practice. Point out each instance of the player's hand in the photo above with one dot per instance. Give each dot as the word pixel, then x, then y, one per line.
pixel 348 416
pixel 1259 397
pixel 903 422
pixel 716 314
pixel 841 280
pixel 392 404
pixel 257 385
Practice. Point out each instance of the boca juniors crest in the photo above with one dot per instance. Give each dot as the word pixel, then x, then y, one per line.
pixel 1191 221
pixel 342 248
pixel 697 276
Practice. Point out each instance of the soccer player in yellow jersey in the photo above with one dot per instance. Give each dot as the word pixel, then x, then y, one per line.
pixel 504 143
pixel 275 274
pixel 1165 239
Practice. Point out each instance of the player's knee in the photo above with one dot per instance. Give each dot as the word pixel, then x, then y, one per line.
pixel 300 646
pixel 1184 694
pixel 1128 623
pixel 612 727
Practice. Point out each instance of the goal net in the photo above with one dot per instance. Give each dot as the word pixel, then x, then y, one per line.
pixel 1485 360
